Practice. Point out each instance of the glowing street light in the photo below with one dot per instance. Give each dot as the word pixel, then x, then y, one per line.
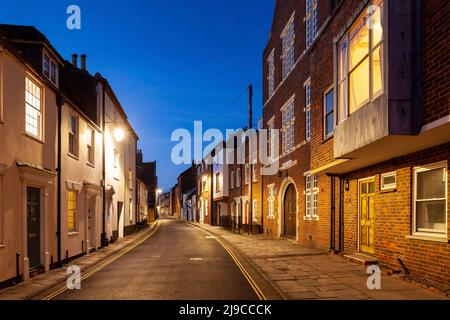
pixel 119 134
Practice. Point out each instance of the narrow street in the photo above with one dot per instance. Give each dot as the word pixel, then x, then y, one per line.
pixel 178 262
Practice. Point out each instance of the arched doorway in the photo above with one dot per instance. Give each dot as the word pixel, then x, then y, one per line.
pixel 290 212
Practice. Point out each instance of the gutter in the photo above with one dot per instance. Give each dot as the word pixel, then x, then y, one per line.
pixel 59 103
pixel 103 236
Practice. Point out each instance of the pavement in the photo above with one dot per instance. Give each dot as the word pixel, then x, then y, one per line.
pixel 35 286
pixel 301 273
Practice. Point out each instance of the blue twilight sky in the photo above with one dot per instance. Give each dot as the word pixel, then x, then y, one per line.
pixel 170 62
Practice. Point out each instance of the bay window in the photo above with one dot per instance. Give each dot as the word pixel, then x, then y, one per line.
pixel 360 65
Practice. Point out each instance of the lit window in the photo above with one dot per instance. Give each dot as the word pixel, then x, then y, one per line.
pixel 311 196
pixel 430 194
pixel 91 145
pixel 360 54
pixel 218 183
pixel 308 110
pixel 50 69
pixel 311 21
pixel 287 131
pixel 33 109
pixel 73 135
pixel 271 76
pixel 287 39
pixel 329 113
pixel 72 211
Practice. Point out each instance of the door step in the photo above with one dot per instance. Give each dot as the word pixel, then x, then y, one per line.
pixel 361 259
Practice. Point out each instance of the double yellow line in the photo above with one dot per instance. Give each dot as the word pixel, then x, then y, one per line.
pixel 104 264
pixel 247 276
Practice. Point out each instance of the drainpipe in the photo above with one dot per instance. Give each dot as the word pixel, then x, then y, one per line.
pixel 262 203
pixel 103 236
pixel 341 213
pixel 59 103
pixel 332 213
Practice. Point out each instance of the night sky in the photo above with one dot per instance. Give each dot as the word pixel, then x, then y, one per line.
pixel 169 62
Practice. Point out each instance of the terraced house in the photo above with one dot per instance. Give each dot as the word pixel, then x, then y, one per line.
pixel 67 160
pixel 360 92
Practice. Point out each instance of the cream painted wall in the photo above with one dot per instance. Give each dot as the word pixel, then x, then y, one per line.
pixel 16 145
pixel 86 179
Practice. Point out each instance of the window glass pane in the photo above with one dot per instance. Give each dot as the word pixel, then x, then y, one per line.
pixel 377 69
pixel 330 124
pixel 329 101
pixel 431 215
pixel 359 86
pixel 431 184
pixel 376 24
pixel 343 58
pixel 359 42
pixel 342 101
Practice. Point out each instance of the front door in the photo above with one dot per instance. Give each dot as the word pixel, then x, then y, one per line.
pixel 91 224
pixel 290 212
pixel 120 219
pixel 34 226
pixel 366 215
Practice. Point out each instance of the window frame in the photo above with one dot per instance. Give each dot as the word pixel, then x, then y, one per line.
pixel 232 177
pixel 288 125
pixel 311 192
pixel 290 49
pixel 308 102
pixel 74 134
pixel 238 177
pixel 51 62
pixel 218 182
pixel 270 139
pixel 247 174
pixel 311 22
pixel 254 171
pixel 75 229
pixel 90 145
pixel 130 209
pixel 344 111
pixel 40 112
pixel 271 74
pixel 325 114
pixel 425 168
pixel 271 201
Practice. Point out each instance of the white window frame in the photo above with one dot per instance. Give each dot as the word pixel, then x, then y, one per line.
pixel 255 210
pixel 307 87
pixel 218 179
pixel 52 65
pixel 288 48
pixel 288 127
pixel 238 177
pixel 90 146
pixel 271 201
pixel 389 186
pixel 255 171
pixel 311 21
pixel 247 174
pixel 33 107
pixel 270 139
pixel 424 168
pixel 325 114
pixel 311 197
pixel 75 134
pixel 232 180
pixel 271 74
pixel 76 211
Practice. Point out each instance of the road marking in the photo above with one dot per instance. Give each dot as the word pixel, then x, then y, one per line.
pixel 105 263
pixel 247 276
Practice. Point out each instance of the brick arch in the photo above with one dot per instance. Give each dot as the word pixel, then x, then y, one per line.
pixel 283 188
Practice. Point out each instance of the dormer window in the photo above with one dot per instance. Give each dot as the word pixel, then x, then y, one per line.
pixel 50 69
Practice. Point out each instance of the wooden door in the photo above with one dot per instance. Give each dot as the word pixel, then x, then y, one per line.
pixel 290 212
pixel 366 215
pixel 34 226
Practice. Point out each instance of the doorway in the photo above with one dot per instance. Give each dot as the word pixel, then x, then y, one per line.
pixel 34 227
pixel 120 225
pixel 366 215
pixel 290 212
pixel 91 224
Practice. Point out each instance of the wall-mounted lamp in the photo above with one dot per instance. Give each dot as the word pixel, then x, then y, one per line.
pixel 347 185
pixel 119 134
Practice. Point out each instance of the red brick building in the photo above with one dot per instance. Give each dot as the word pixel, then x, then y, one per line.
pixel 360 92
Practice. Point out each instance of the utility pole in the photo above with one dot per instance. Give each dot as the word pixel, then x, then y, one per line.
pixel 250 183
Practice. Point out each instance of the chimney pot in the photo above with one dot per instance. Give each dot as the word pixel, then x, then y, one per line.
pixel 83 62
pixel 75 60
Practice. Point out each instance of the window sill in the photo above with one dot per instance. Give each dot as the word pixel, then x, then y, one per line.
pixel 311 218
pixel 34 138
pixel 73 156
pixel 2 246
pixel 328 138
pixel 441 239
pixel 73 234
pixel 90 164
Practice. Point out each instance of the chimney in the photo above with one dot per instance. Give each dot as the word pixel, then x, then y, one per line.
pixel 83 62
pixel 75 60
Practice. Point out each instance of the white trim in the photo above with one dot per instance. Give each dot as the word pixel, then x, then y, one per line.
pixel 324 110
pixel 425 168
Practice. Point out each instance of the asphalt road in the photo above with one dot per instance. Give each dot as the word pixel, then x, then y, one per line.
pixel 178 262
